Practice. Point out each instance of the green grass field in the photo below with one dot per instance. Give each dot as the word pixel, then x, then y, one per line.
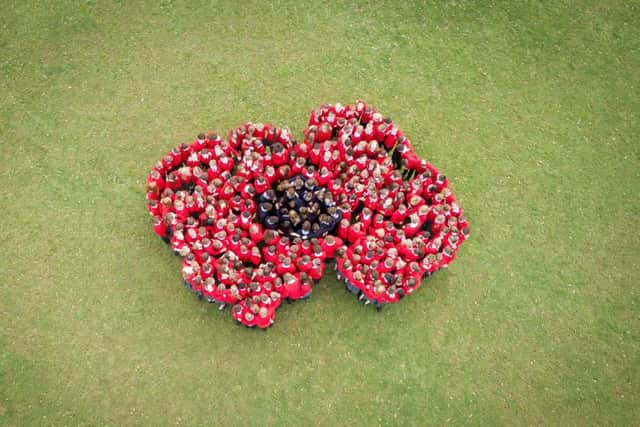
pixel 532 109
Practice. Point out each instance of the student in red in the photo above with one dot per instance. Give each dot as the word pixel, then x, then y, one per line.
pixel 294 253
pixel 263 320
pixel 324 132
pixel 237 312
pixel 279 155
pixel 367 293
pixel 365 217
pixel 261 184
pixel 249 318
pixel 317 251
pixel 191 206
pixel 306 283
pixel 208 289
pixel 303 263
pixel 429 265
pixel 343 229
pixel 272 133
pixel 282 244
pixel 324 177
pixel 448 255
pixel 276 300
pixel 306 248
pixel 181 211
pixel 255 256
pixel 434 245
pixel 317 269
pixel 413 270
pixel 208 217
pixel 355 281
pixel 155 182
pixel 168 163
pixel 173 181
pixel 297 167
pixel 197 285
pixel 345 272
pixel 220 295
pixel 380 295
pixel 356 232
pixel 270 254
pixel 329 245
pixel 413 226
pixel 160 228
pixel 279 287
pixel 438 224
pixel 392 294
pixel 463 235
pixel 463 223
pixel 285 265
pixel 246 220
pixel 292 285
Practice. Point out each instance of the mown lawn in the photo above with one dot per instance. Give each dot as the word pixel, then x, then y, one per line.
pixel 532 109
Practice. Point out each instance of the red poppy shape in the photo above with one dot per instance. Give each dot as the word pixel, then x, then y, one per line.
pixel 257 216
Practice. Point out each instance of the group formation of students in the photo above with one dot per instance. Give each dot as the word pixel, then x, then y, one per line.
pixel 299 207
pixel 257 215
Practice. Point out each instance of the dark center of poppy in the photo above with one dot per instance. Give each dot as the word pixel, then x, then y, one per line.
pixel 299 207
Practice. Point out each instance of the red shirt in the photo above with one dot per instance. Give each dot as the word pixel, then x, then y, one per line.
pixel 160 229
pixel 330 250
pixel 264 322
pixel 293 289
pixel 354 235
pixel 281 268
pixel 316 272
pixel 305 288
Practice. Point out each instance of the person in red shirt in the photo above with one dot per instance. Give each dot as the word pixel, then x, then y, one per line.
pixel 270 254
pixel 356 232
pixel 438 224
pixel 155 182
pixel 285 265
pixel 367 294
pixel 256 232
pixel 297 167
pixel 279 155
pixel 365 217
pixel 305 286
pixel 255 257
pixel 329 246
pixel 292 285
pixel 180 210
pixel 237 312
pixel 428 265
pixel 249 319
pixel 380 296
pixel 317 269
pixel 160 229
pixel 463 235
pixel 434 245
pixel 263 320
pixel 448 255
pixel 282 244
pixel 303 263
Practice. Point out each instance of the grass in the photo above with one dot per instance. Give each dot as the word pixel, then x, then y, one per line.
pixel 530 108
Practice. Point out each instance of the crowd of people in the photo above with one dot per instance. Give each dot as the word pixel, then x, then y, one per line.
pixel 299 207
pixel 257 215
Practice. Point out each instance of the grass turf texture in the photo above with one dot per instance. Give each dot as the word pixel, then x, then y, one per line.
pixel 531 109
